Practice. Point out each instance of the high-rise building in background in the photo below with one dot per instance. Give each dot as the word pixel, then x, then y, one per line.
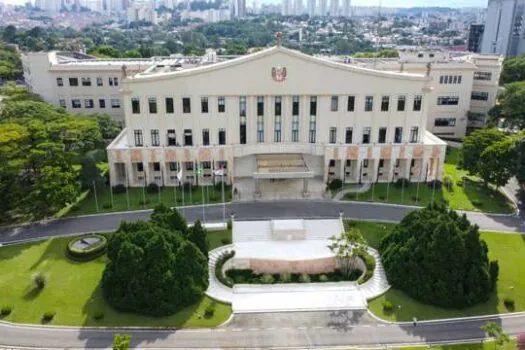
pixel 334 8
pixel 240 8
pixel 322 7
pixel 298 7
pixel 346 8
pixel 504 33
pixel 311 8
pixel 475 36
pixel 287 7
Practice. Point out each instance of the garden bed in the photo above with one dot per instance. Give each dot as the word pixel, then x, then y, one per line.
pixel 247 276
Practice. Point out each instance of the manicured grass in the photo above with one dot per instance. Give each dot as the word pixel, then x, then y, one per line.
pixel 136 196
pixel 73 291
pixel 372 231
pixel 472 195
pixel 488 345
pixel 508 249
pixel 215 239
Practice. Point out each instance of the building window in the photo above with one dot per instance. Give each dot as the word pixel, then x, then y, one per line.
pixel 441 79
pixel 260 106
pixel 385 102
pixel 350 105
pixel 222 136
pixel 313 119
pixel 62 103
pixel 479 96
pixel 113 81
pixel 334 103
pixel 417 102
pixel 401 100
pixel 88 103
pixel 278 105
pixel 365 163
pixel 295 105
pixel 169 105
pixel 447 100
pixel 295 128
pixel 366 135
pixel 135 105
pixel 478 117
pixel 115 103
pixel 86 81
pixel 414 134
pixel 482 75
pixel 459 79
pixel 313 105
pixel 206 137
pixel 172 139
pixel 206 165
pixel 152 104
pixel 382 135
pixel 398 134
pixel 221 103
pixel 204 105
pixel 75 103
pixel 260 128
pixel 186 106
pixel 140 167
pixel 445 122
pixel 332 137
pixel 73 81
pixel 369 103
pixel 188 138
pixel 173 166
pixel 188 166
pixel 155 139
pixel 222 164
pixel 100 81
pixel 139 141
pixel 242 121
pixel 101 103
pixel 277 128
pixel 455 81
pixel 60 82
pixel 348 135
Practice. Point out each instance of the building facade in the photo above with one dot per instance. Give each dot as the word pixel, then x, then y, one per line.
pixel 504 32
pixel 275 114
pixel 475 37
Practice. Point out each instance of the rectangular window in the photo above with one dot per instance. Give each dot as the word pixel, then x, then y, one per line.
pixel 348 135
pixel 479 96
pixel 173 166
pixel 417 102
pixel 385 102
pixel 278 105
pixel 459 79
pixel 447 100
pixel 113 81
pixel 398 134
pixel 295 128
pixel 60 82
pixel 260 128
pixel 312 129
pixel 206 137
pixel 369 103
pixel 455 81
pixel 188 138
pixel 242 120
pixel 155 139
pixel 401 100
pixel 110 81
pixel 332 137
pixel 334 103
pixel 204 105
pixel 414 134
pixel 482 75
pixel 365 163
pixel 188 166
pixel 313 105
pixel 295 105
pixel 206 165
pixel 86 81
pixel 366 135
pixel 382 135
pixel 277 128
pixel 73 81
pixel 100 81
pixel 441 79
pixel 62 103
pixel 115 103
pixel 135 105
pixel 260 106
pixel 139 141
pixel 152 104
pixel 88 103
pixel 186 106
pixel 140 167
pixel 381 163
pixel 101 103
pixel 222 136
pixel 445 122
pixel 221 103
pixel 350 104
pixel 172 138
pixel 75 103
pixel 169 105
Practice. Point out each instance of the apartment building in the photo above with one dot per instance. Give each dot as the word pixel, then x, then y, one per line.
pixel 273 115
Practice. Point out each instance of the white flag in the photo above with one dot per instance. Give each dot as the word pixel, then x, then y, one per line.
pixel 218 172
pixel 179 175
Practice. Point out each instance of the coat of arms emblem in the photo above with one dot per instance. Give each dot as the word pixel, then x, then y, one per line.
pixel 279 73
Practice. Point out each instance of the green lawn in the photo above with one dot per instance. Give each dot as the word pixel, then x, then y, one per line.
pixel 372 231
pixel 508 249
pixel 73 290
pixel 136 196
pixel 488 345
pixel 215 238
pixel 471 195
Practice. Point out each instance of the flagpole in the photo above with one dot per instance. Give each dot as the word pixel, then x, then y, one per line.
pixel 127 185
pixel 143 192
pixel 222 197
pixel 95 192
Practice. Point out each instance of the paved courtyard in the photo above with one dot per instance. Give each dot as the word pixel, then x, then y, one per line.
pixel 279 189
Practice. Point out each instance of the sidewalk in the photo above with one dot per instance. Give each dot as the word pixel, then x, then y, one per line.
pixel 361 189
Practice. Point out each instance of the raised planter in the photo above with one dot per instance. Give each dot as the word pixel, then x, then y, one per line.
pixel 87 247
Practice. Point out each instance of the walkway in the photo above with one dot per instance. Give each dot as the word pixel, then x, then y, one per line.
pixel 361 189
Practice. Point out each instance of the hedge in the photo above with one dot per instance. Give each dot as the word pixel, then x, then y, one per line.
pixel 218 269
pixel 370 264
pixel 88 254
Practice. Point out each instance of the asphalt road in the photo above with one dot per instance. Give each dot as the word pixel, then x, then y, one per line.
pixel 251 211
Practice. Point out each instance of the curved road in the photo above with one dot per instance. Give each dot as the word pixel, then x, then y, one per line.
pixel 301 329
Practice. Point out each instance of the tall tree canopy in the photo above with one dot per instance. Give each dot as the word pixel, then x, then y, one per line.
pixel 437 257
pixel 475 143
pixel 512 105
pixel 513 70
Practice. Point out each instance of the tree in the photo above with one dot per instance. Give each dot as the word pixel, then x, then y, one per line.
pixel 90 174
pixel 513 70
pixel 495 331
pixel 497 163
pixel 475 143
pixel 436 256
pixel 9 35
pixel 198 235
pixel 105 51
pixel 347 247
pixel 169 218
pixel 121 341
pixel 108 127
pixel 512 101
pixel 153 270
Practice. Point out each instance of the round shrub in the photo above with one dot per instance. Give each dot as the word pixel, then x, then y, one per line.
pixel 304 278
pixel 437 257
pixel 118 189
pixel 225 241
pixel 6 311
pixel 285 278
pixel 323 278
pixel 335 184
pixel 107 206
pixel 402 183
pixel 39 280
pixel 267 279
pixel 143 202
pixel 387 306
pixel 152 188
pixel 48 316
pixel 509 303
pixel 448 182
pixel 437 184
pixel 87 247
pixel 210 310
pixel 98 315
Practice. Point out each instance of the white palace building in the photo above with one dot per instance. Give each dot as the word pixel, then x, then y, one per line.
pixel 275 114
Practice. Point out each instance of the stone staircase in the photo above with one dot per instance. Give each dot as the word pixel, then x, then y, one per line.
pixel 378 284
pixel 217 290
